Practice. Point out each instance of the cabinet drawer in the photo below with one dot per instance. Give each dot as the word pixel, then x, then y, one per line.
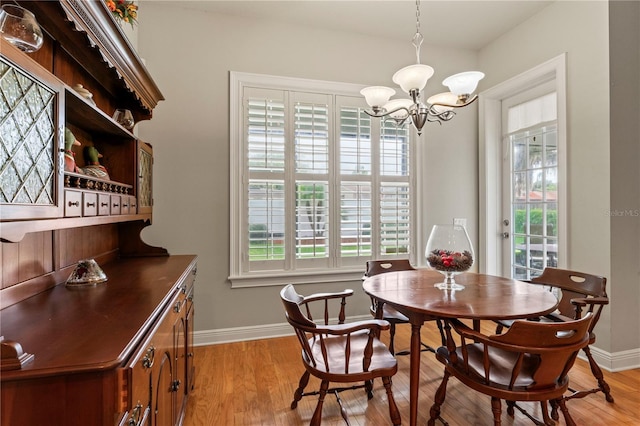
pixel 72 203
pixel 133 205
pixel 124 204
pixel 89 204
pixel 115 204
pixel 104 204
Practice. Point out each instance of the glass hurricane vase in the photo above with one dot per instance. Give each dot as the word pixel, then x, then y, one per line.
pixel 20 28
pixel 449 251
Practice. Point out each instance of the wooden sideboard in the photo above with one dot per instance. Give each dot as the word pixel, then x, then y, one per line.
pixel 115 353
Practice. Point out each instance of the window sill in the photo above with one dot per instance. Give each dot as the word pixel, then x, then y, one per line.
pixel 279 278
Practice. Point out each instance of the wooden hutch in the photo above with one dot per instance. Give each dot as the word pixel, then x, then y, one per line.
pixel 113 353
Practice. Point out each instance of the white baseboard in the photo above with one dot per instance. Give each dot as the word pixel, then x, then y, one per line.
pixel 239 334
pixel 618 361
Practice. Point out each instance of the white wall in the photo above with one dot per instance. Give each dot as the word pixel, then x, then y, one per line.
pixel 190 54
pixel 598 182
pixel 624 30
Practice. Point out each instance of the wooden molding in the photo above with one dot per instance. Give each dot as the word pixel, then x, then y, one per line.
pixel 13 357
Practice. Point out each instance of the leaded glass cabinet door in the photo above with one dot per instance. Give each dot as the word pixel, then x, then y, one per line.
pixel 30 143
pixel 145 178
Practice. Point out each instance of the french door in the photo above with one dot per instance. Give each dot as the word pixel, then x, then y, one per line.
pixel 529 182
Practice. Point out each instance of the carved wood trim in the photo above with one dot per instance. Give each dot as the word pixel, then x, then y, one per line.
pixel 130 246
pixel 93 18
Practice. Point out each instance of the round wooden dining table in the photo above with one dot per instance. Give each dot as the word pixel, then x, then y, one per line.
pixel 484 297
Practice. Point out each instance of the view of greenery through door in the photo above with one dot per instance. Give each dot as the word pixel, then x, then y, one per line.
pixel 534 201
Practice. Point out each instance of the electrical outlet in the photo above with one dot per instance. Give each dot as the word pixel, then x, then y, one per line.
pixel 460 221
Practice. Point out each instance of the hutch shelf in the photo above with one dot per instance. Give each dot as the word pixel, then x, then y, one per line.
pixel 114 353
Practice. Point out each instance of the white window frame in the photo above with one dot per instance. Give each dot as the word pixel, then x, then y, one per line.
pixel 490 161
pixel 339 271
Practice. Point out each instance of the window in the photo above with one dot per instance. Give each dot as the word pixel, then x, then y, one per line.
pixel 317 186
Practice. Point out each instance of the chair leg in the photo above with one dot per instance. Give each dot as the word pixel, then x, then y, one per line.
pixel 317 414
pixel 343 412
pixel 392 335
pixel 297 396
pixel 394 413
pixel 368 387
pixel 442 336
pixel 441 393
pixel 510 408
pixel 496 408
pixel 554 410
pixel 565 412
pixel 597 373
pixel 544 405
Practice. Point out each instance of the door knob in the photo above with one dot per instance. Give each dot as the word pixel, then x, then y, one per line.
pixel 505 235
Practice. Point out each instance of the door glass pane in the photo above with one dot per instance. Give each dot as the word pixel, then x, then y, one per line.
pixel 534 225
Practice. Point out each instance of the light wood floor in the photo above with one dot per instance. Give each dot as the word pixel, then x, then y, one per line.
pixel 252 383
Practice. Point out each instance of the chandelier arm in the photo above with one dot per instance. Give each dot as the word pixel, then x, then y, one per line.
pixel 464 104
pixel 441 116
pixel 385 113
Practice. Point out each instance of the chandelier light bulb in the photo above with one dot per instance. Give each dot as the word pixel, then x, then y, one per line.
pixel 398 108
pixel 413 77
pixel 443 101
pixel 376 96
pixel 463 83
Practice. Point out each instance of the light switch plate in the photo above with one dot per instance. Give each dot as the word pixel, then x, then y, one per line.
pixel 461 221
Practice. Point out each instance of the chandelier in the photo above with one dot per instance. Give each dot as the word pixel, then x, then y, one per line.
pixel 412 79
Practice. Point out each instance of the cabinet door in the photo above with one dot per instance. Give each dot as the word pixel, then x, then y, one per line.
pixel 31 105
pixel 145 178
pixel 180 383
pixel 163 394
pixel 190 383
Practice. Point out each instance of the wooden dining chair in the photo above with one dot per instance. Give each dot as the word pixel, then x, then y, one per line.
pixel 580 293
pixel 389 313
pixel 338 353
pixel 530 362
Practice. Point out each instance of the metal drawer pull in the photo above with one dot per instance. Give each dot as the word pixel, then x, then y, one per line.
pixel 175 385
pixel 149 357
pixel 104 204
pixel 91 204
pixel 177 307
pixel 74 203
pixel 135 418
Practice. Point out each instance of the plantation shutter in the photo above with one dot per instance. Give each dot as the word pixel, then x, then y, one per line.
pixel 265 141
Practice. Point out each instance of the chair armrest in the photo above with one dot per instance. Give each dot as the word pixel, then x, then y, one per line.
pixel 465 331
pixel 584 301
pixel 324 296
pixel 338 329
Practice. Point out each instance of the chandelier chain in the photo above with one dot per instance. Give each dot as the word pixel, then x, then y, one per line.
pixel 417 38
pixel 417 16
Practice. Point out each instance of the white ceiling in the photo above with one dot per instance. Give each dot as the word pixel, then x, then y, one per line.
pixel 469 24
